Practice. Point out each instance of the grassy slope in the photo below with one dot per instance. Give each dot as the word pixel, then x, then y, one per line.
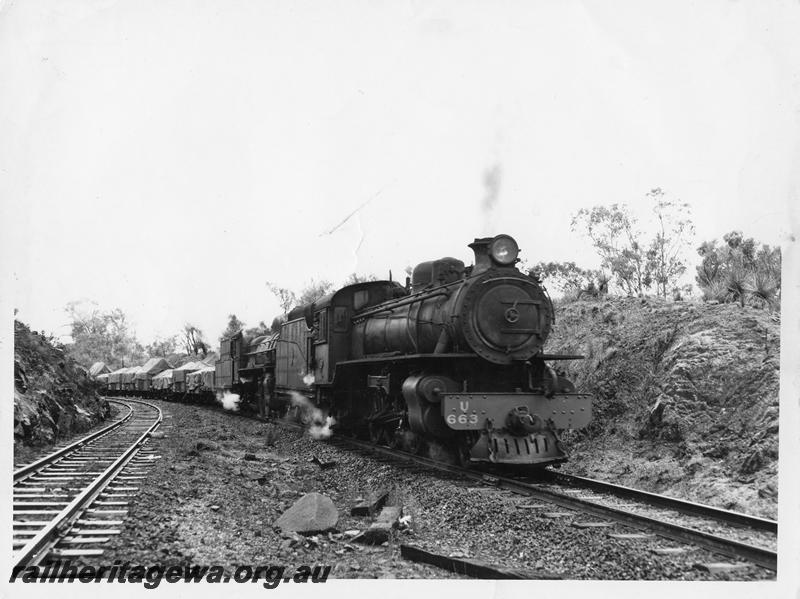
pixel 712 369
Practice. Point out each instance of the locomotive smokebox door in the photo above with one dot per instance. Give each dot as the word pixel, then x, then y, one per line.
pixel 504 318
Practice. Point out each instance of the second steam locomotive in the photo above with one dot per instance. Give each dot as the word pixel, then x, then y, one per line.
pixel 454 358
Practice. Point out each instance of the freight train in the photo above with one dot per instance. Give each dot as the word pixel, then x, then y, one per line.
pixel 454 358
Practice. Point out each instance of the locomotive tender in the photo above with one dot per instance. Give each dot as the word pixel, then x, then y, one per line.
pixel 453 358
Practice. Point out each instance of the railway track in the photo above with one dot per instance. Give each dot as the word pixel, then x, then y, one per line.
pixel 673 503
pixel 68 503
pixel 732 534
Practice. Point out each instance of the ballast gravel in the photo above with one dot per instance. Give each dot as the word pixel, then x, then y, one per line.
pixel 223 480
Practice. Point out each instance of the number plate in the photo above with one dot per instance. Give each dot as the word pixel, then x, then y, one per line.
pixel 469 411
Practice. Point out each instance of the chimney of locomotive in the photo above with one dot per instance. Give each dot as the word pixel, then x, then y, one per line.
pixel 482 259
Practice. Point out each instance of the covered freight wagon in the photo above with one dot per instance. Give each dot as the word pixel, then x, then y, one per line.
pixel 161 384
pixel 180 374
pixel 146 373
pixel 99 368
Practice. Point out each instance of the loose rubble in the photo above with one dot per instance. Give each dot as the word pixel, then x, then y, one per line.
pixel 173 520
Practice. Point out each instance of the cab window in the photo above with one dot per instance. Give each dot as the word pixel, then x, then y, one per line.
pixel 340 319
pixel 321 326
pixel 360 299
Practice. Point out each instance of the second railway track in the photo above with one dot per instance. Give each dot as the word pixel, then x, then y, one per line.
pixel 67 503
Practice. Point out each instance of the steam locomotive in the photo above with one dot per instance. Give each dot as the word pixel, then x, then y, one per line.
pixel 454 358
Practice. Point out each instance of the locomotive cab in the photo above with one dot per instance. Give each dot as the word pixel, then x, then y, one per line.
pixel 317 336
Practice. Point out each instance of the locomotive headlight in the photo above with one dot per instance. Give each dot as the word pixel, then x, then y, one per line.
pixel 504 250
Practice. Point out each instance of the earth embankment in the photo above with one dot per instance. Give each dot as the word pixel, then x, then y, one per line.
pixel 686 397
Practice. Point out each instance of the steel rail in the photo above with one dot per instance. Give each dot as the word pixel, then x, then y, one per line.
pixel 29 469
pixel 38 547
pixel 680 505
pixel 760 556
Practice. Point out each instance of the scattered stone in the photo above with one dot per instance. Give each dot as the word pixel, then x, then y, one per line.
pixel 250 457
pixel 321 464
pixel 206 446
pixel 312 513
pixel 260 477
pixel 380 530
pixel 281 490
pixel 292 536
pixel 215 508
pixel 370 505
pixel 158 435
pixel 351 533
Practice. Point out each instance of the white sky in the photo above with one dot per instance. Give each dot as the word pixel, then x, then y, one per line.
pixel 170 157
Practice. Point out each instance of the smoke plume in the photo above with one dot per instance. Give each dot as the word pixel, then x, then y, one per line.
pixel 491 185
pixel 319 424
pixel 229 401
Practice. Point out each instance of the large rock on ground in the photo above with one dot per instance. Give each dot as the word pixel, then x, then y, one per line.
pixel 312 513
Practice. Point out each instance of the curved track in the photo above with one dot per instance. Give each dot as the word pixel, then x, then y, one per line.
pixel 67 503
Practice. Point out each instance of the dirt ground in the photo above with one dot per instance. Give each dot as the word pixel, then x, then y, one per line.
pixel 222 482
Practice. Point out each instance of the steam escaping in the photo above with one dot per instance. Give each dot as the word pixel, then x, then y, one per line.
pixel 309 379
pixel 229 401
pixel 319 425
pixel 322 431
pixel 491 184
